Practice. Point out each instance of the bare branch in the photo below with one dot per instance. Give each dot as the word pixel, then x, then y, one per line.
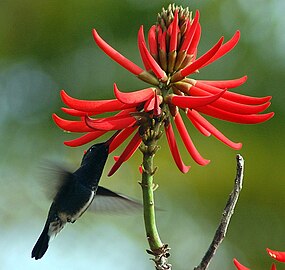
pixel 226 216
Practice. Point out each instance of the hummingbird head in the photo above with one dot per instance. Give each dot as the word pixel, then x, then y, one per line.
pixel 98 152
pixel 95 154
pixel 93 163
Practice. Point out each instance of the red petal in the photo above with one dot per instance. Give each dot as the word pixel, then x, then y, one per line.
pixel 197 63
pixel 153 103
pixel 97 106
pixel 277 255
pixel 115 55
pixel 110 123
pixel 202 60
pixel 192 114
pixel 243 99
pixel 188 142
pixel 225 48
pixel 127 153
pixel 174 149
pixel 86 138
pixel 152 42
pixel 226 83
pixel 233 117
pixel 239 266
pixel 72 126
pixel 195 40
pixel 198 126
pixel 134 98
pixel 273 266
pixel 193 102
pixel 191 29
pixel 141 41
pixel 174 33
pixel 162 39
pixel 157 70
pixel 121 137
pixel 231 106
pixel 77 113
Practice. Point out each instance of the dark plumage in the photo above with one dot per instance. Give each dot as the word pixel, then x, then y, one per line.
pixel 76 192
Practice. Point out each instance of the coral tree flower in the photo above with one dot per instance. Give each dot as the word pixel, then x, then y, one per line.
pixel 277 255
pixel 170 59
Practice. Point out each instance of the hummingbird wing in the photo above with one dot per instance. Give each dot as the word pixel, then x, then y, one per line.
pixel 54 177
pixel 107 201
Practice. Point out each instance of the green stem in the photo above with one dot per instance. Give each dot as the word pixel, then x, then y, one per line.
pixel 148 202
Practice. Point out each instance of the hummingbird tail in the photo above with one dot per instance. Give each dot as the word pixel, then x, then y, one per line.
pixel 41 246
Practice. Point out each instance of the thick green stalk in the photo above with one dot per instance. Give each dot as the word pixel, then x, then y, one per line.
pixel 149 147
pixel 148 202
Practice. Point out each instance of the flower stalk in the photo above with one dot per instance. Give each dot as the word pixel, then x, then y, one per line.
pixel 150 135
pixel 148 187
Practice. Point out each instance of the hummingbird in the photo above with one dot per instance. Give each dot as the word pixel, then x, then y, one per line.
pixel 76 192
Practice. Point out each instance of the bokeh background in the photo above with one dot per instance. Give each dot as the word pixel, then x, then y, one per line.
pixel 46 46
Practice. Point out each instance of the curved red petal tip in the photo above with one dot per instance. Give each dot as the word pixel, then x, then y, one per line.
pixel 86 138
pixel 152 41
pixel 226 83
pixel 231 106
pixel 134 98
pixel 174 149
pixel 194 101
pixel 194 115
pixel 141 41
pixel 115 55
pixel 239 266
pixel 203 59
pixel 277 255
pixel 94 106
pixel 273 266
pixel 214 87
pixel 234 117
pixel 140 169
pixel 225 48
pixel 72 126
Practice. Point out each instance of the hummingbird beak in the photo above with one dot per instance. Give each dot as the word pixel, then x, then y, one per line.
pixel 109 141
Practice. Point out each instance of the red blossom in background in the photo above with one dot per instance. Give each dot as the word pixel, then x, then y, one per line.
pixel 277 255
pixel 169 56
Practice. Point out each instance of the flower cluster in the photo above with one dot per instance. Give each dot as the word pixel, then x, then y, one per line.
pixel 169 56
pixel 277 255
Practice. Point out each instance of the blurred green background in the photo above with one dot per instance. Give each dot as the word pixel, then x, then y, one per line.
pixel 46 46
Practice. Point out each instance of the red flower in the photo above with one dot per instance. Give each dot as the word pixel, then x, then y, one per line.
pixel 171 56
pixel 239 266
pixel 277 255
